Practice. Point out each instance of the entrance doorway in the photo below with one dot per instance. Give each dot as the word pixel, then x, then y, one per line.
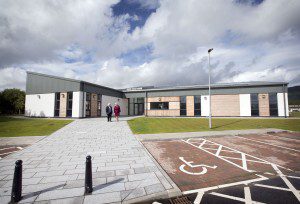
pixel 139 109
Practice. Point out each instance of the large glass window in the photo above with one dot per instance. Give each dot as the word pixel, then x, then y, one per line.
pixel 99 105
pixel 197 105
pixel 182 105
pixel 273 104
pixel 57 104
pixel 159 105
pixel 69 104
pixel 254 105
pixel 88 105
pixel 136 106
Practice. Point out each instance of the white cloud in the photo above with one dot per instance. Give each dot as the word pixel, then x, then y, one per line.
pixel 34 30
pixel 150 4
pixel 250 42
pixel 12 77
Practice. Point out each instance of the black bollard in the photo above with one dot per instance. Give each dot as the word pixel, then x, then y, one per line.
pixel 16 192
pixel 88 175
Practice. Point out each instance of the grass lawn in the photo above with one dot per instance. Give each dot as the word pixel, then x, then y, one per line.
pixel 295 114
pixel 12 127
pixel 145 125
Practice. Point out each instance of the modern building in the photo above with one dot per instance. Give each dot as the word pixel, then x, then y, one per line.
pixel 51 96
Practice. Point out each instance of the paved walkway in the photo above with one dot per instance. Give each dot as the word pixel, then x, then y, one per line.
pixel 53 168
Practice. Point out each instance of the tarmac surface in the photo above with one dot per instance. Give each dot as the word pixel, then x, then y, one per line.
pixel 249 168
pixel 9 145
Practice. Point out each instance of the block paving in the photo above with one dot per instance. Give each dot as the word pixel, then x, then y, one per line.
pixel 54 167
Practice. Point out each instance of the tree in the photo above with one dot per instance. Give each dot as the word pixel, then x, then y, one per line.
pixel 1 103
pixel 12 101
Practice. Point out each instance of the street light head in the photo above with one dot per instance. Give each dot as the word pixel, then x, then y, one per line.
pixel 211 49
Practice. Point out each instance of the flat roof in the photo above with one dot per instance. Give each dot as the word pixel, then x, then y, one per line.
pixel 169 88
pixel 72 80
pixel 196 86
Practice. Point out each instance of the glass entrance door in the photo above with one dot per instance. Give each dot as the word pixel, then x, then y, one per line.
pixel 139 109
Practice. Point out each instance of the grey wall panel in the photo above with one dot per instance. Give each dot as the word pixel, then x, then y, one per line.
pixel 135 94
pixel 38 84
pixel 238 90
pixel 102 90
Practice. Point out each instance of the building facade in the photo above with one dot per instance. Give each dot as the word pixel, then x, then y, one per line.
pixel 51 96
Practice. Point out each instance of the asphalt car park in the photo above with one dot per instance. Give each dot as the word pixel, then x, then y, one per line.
pixel 250 168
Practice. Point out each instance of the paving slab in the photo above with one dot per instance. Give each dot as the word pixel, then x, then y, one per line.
pixel 54 166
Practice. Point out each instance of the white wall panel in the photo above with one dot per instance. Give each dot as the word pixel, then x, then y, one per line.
pixel 40 105
pixel 77 104
pixel 123 103
pixel 204 105
pixel 280 104
pixel 245 105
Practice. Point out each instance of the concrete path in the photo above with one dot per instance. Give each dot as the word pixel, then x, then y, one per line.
pixel 183 135
pixel 54 167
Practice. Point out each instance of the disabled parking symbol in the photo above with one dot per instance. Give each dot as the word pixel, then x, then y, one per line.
pixel 191 165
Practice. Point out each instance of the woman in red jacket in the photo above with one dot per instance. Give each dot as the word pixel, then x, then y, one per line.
pixel 117 111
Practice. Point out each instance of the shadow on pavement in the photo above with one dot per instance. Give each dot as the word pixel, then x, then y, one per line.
pixel 107 184
pixel 29 195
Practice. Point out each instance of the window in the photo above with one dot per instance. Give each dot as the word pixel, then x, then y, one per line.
pixel 88 105
pixel 182 105
pixel 254 105
pixel 197 105
pixel 159 105
pixel 140 100
pixel 57 104
pixel 69 104
pixel 99 105
pixel 273 104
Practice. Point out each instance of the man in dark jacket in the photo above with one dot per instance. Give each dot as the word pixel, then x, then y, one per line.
pixel 108 112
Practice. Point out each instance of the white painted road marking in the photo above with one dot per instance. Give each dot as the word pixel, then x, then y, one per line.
pixel 248 199
pixel 258 141
pixel 190 164
pixel 272 187
pixel 287 182
pixel 232 197
pixel 198 198
pixel 244 158
pixel 284 138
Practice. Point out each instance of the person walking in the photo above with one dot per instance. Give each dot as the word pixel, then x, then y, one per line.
pixel 117 111
pixel 108 112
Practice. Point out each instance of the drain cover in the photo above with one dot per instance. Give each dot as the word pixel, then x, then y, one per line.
pixel 181 200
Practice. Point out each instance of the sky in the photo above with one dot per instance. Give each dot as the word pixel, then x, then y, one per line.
pixel 130 43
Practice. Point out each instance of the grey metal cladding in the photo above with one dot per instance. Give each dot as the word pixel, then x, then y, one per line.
pixel 40 83
pixel 135 94
pixel 193 92
pixel 91 88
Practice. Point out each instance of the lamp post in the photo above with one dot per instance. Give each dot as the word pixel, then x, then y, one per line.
pixel 211 49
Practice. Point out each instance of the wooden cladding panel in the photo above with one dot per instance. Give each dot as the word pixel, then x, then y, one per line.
pixel 163 113
pixel 163 99
pixel 174 105
pixel 225 105
pixel 63 104
pixel 263 104
pixel 94 105
pixel 190 105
